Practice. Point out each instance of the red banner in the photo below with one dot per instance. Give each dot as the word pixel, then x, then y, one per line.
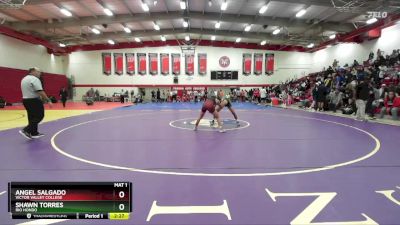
pixel 246 64
pixel 118 63
pixel 176 63
pixel 258 61
pixel 106 63
pixel 130 63
pixel 269 63
pixel 141 63
pixel 164 59
pixel 153 63
pixel 189 64
pixel 202 65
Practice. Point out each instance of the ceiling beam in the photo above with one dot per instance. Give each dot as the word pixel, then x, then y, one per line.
pixel 326 3
pixel 151 33
pixel 142 17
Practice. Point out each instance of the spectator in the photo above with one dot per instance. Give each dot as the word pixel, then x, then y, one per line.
pixel 321 96
pixel 158 95
pixel 362 91
pixel 392 105
pixel 263 94
pixel 335 99
pixel 64 95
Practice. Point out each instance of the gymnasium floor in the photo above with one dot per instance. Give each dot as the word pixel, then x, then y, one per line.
pixel 281 166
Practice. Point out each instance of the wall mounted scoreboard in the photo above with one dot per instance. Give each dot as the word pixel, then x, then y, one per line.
pixel 224 75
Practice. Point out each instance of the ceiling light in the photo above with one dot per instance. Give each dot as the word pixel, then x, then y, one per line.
pixel 301 13
pixel 137 39
pixel 111 42
pixel 156 26
pixel 62 45
pixel 218 25
pixel 213 38
pixel 96 31
pixel 276 31
pixel 263 42
pixel 310 45
pixel 163 38
pixel 108 12
pixel 155 2
pixel 238 40
pixel 372 20
pixel 263 9
pixel 183 4
pixel 224 5
pixel 333 36
pixel 209 3
pixel 127 30
pixel 145 7
pixel 187 38
pixel 247 28
pixel 185 23
pixel 66 12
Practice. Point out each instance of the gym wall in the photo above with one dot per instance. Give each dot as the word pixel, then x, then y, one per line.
pixel 347 52
pixel 17 57
pixel 86 68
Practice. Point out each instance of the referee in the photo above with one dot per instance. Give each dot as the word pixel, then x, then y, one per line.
pixel 33 98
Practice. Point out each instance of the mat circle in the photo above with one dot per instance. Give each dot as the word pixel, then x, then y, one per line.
pixel 278 173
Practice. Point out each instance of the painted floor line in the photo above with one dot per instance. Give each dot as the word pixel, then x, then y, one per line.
pixel 42 222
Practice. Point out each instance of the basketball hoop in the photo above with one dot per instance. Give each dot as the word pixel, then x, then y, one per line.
pixel 188 47
pixel 12 4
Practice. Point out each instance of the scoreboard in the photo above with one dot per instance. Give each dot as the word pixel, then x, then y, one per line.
pixel 224 75
pixel 70 200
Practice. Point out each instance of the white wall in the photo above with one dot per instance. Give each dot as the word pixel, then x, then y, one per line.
pixel 22 55
pixel 86 67
pixel 347 52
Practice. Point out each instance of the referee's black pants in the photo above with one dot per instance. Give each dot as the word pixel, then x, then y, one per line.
pixel 35 110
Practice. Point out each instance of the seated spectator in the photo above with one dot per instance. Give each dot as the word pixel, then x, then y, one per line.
pixel 392 105
pixel 335 99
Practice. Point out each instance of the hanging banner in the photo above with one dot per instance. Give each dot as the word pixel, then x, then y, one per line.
pixel 258 61
pixel 118 63
pixel 141 63
pixel 246 64
pixel 189 64
pixel 269 63
pixel 106 63
pixel 202 63
pixel 176 63
pixel 164 59
pixel 130 63
pixel 153 63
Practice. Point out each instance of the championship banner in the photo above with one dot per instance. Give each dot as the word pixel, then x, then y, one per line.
pixel 106 63
pixel 202 64
pixel 141 63
pixel 189 64
pixel 118 63
pixel 258 61
pixel 153 63
pixel 164 58
pixel 176 63
pixel 269 63
pixel 246 64
pixel 130 63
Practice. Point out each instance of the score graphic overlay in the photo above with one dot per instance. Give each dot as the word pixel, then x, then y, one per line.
pixel 70 200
